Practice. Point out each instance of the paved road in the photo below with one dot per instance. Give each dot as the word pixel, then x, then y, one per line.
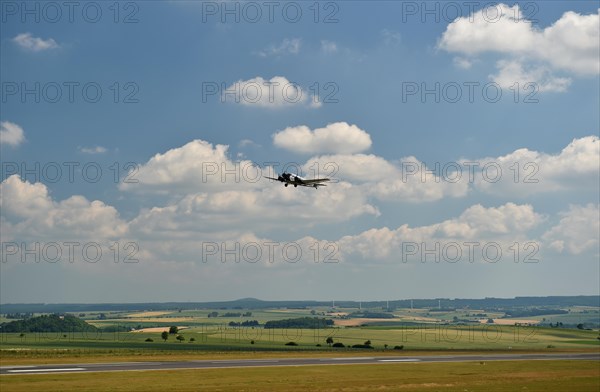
pixel 236 363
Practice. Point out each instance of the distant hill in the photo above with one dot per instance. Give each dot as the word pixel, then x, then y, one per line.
pixel 48 323
pixel 253 303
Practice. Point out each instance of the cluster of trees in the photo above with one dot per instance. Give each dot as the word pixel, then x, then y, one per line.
pixel 247 323
pixel 230 314
pixel 455 319
pixel 301 322
pixel 165 336
pixel 173 330
pixel 366 344
pixel 49 323
pixel 234 314
pixel 330 343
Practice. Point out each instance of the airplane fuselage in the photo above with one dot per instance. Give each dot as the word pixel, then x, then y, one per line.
pixel 296 180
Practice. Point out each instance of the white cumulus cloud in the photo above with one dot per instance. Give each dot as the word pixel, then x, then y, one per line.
pixel 402 181
pixel 234 211
pixel 328 47
pixel 527 172
pixel 339 137
pixel 577 231
pixel 11 134
pixel 287 46
pixel 35 44
pixel 92 150
pixel 529 79
pixel 476 225
pixel 28 211
pixel 193 167
pixel 276 93
pixel 530 53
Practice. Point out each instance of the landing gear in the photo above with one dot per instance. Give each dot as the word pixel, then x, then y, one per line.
pixel 286 185
pixel 295 185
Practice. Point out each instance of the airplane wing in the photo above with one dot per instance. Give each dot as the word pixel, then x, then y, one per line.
pixel 316 181
pixel 271 178
pixel 313 185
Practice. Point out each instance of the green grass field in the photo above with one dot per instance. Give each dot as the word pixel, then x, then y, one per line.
pixel 418 331
pixel 410 329
pixel 230 342
pixel 425 337
pixel 469 376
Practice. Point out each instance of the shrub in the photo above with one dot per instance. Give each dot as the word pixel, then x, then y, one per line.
pixel 398 347
pixel 338 344
pixel 291 344
pixel 149 340
pixel 362 346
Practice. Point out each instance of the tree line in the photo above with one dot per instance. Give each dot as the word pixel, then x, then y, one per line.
pixel 48 323
pixel 301 322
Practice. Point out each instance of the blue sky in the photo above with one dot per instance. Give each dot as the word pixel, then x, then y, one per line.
pixel 367 124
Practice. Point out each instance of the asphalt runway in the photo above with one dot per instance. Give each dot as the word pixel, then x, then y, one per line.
pixel 238 363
